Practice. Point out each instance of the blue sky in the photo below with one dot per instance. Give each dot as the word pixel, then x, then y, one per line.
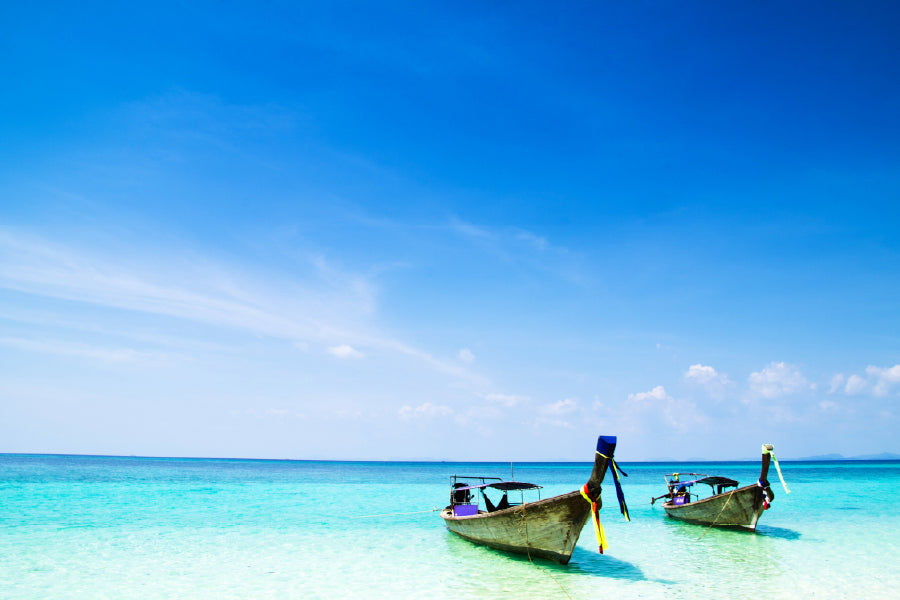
pixel 449 231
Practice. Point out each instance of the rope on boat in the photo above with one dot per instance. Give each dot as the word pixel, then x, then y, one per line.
pixel 730 495
pixel 415 512
pixel 528 552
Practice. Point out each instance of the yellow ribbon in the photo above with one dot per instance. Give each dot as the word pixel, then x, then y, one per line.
pixel 770 450
pixel 595 519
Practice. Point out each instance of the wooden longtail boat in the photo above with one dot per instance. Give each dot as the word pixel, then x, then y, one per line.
pixel 738 507
pixel 547 528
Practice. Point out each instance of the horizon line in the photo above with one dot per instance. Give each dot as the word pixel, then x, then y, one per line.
pixel 887 457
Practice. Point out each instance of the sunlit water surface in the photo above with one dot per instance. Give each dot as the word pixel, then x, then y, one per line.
pixel 108 527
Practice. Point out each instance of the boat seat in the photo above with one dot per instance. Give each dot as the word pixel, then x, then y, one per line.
pixel 465 510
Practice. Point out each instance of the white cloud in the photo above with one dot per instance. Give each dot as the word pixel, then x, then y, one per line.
pixel 878 381
pixel 657 405
pixel 778 379
pixel 703 374
pixel 554 415
pixel 424 411
pixel 885 378
pixel 466 356
pixel 855 385
pixel 345 351
pixel 560 407
pixel 827 405
pixel 837 383
pixel 658 393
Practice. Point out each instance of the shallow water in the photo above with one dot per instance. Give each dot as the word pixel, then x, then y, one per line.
pixel 108 527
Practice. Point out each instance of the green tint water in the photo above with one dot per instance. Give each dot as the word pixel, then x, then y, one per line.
pixel 106 527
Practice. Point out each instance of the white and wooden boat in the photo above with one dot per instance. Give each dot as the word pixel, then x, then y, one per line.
pixel 546 528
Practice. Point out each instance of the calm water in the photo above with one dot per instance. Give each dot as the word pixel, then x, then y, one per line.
pixel 106 527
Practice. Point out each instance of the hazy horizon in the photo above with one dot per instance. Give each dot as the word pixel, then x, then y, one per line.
pixel 836 457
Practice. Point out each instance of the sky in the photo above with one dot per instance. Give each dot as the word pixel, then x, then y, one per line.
pixel 450 230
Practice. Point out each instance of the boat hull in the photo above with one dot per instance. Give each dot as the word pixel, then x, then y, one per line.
pixel 546 528
pixel 738 508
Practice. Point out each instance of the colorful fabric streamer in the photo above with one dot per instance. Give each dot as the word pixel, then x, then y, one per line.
pixel 595 518
pixel 623 508
pixel 766 450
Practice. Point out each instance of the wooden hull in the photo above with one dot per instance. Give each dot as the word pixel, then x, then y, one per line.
pixel 546 528
pixel 738 508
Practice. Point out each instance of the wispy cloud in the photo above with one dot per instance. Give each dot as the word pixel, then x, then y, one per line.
pixel 471 231
pixel 557 414
pixel 345 351
pixel 656 407
pixel 66 348
pixel 176 123
pixel 827 406
pixel 560 407
pixel 325 306
pixel 506 400
pixel 41 268
pixel 426 410
pixel 267 413
pixel 537 242
pixel 522 248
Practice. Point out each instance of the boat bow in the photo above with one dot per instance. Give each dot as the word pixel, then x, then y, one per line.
pixel 603 461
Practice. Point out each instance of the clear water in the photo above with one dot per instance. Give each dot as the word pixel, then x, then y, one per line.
pixel 107 527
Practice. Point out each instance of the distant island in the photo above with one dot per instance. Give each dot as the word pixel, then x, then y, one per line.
pixel 818 457
pixel 882 456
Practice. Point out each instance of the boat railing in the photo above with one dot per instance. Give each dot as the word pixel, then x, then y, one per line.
pixel 463 501
pixel 461 491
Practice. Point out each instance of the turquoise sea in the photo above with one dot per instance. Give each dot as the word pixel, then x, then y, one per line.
pixel 116 527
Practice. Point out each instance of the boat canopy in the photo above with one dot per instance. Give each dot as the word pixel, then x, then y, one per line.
pixel 710 481
pixel 722 481
pixel 504 486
